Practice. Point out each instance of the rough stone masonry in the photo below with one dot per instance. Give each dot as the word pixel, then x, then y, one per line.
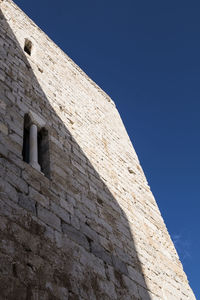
pixel 77 217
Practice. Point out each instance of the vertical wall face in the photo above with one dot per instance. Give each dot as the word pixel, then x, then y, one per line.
pixel 91 228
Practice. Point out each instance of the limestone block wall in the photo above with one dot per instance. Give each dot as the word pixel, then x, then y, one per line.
pixel 93 229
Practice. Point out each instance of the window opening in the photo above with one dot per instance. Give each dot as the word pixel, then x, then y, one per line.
pixel 35 149
pixel 26 139
pixel 28 46
pixel 43 152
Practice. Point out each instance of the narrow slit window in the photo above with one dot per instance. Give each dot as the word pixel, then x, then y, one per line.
pixel 43 152
pixel 28 46
pixel 26 138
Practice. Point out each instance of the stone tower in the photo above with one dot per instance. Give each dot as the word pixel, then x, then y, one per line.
pixel 78 219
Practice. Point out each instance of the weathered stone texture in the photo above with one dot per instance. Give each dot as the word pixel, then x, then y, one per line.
pixel 93 230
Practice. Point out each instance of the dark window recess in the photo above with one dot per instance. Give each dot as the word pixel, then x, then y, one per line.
pixel 43 152
pixel 28 46
pixel 26 144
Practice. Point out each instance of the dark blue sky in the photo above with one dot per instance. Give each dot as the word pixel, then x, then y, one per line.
pixel 146 56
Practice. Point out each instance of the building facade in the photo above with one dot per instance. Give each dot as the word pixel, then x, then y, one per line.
pixel 78 219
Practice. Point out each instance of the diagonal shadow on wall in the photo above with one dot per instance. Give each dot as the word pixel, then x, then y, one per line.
pixel 60 239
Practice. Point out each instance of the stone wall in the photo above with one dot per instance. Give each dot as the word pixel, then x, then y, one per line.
pixel 93 229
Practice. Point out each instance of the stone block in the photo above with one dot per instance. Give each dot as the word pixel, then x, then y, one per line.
pixel 100 252
pixel 67 205
pixel 30 177
pixel 60 212
pixel 3 150
pixel 27 203
pixel 119 265
pixel 75 222
pixel 2 106
pixel 41 199
pixel 3 128
pixel 136 276
pixel 5 265
pixel 108 289
pixel 48 217
pixel 17 182
pixel 132 286
pixel 144 294
pixel 8 190
pixel 75 235
pixel 89 232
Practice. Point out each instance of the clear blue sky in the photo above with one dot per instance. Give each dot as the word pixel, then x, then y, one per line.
pixel 146 56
